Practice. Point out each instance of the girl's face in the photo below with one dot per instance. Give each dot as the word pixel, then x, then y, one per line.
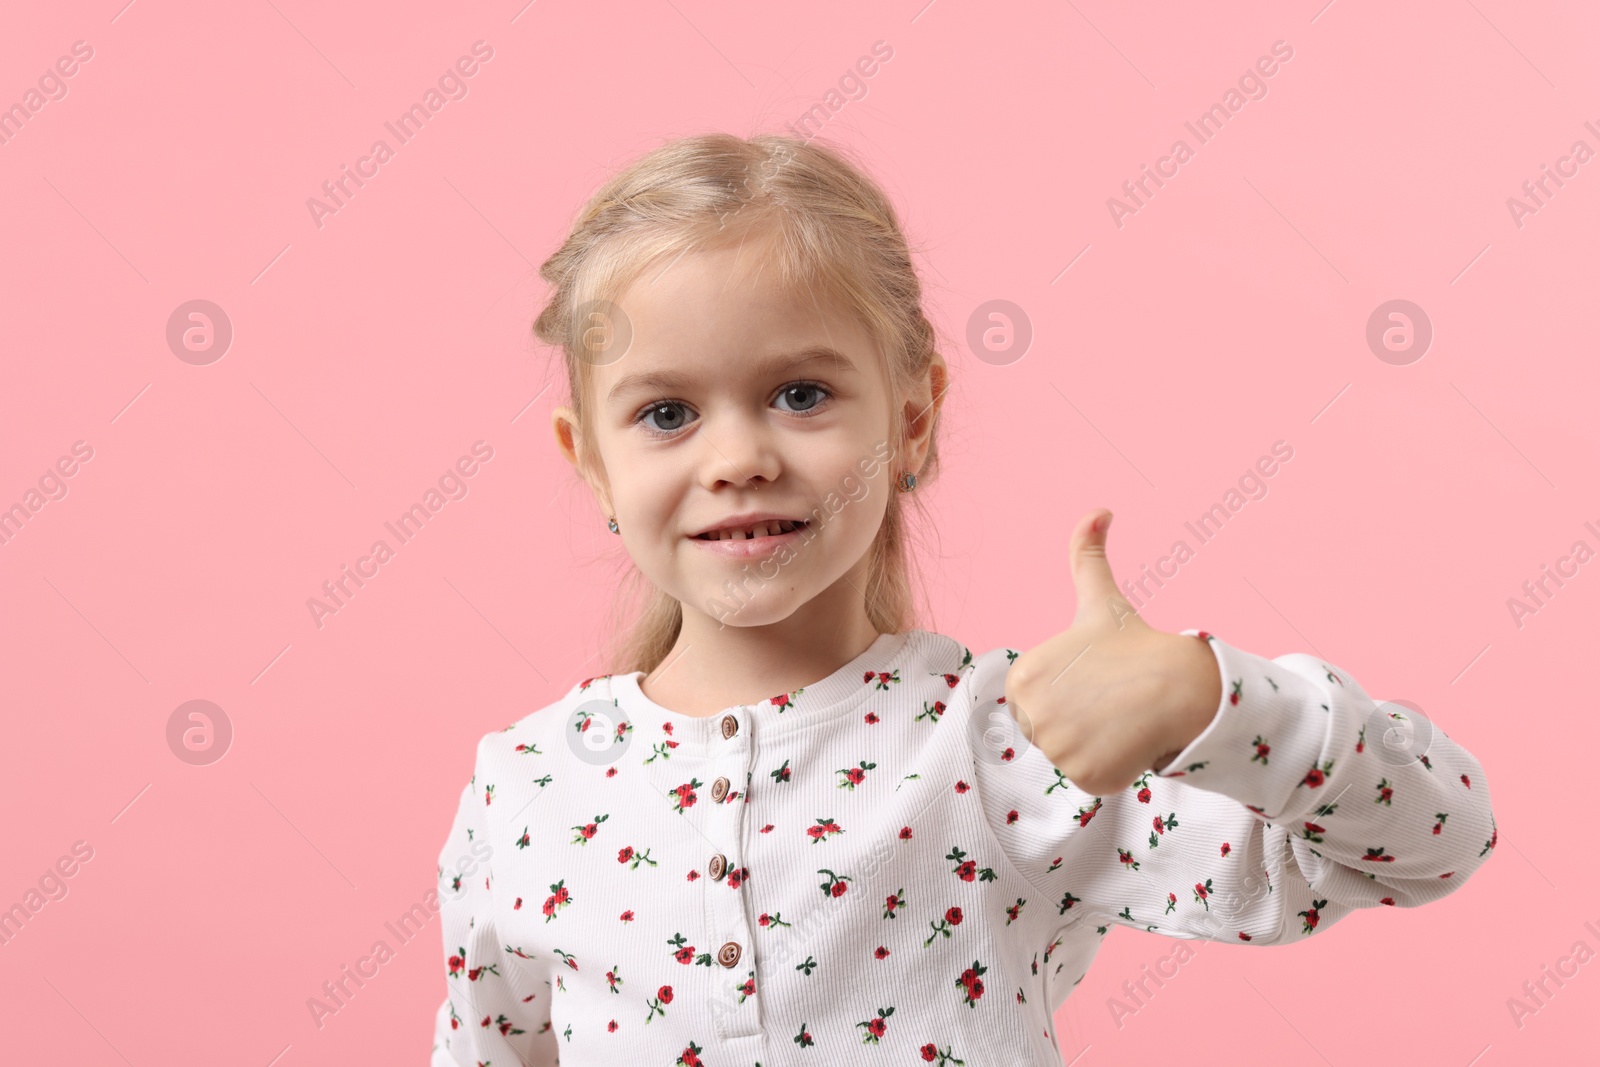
pixel 735 400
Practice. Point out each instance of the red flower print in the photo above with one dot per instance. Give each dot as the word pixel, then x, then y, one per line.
pixel 823 829
pixel 518 905
pixel 625 854
pixel 872 718
pixel 876 1028
pixel 1085 814
pixel 457 963
pixel 1466 781
pixel 1143 795
pixel 953 916
pixel 1226 848
pixel 836 885
pixel 587 830
pixel 1387 900
pixel 971 983
pixel 962 787
pixel 664 994
pixel 627 916
pixel 966 869
pixel 1317 775
pixel 880 953
pixel 854 776
pixel 952 680
pixel 559 898
pixel 1011 816
pixel 928 1053
pixel 905 833
pixel 684 795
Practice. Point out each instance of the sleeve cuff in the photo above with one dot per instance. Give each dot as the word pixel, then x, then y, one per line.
pixel 1266 739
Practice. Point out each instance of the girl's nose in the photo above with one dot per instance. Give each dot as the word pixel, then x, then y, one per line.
pixel 737 451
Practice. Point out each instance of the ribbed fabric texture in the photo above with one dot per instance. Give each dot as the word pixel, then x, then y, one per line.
pixel 892 873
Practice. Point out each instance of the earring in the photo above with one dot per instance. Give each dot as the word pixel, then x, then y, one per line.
pixel 612 525
pixel 908 482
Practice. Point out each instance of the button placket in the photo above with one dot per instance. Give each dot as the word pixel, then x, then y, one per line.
pixel 730 930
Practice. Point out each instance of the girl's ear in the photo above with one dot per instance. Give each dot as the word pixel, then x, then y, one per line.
pixel 569 439
pixel 922 408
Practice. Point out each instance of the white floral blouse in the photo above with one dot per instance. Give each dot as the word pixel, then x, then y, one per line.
pixel 879 868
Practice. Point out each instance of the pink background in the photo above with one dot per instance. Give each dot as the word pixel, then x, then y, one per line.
pixel 1228 313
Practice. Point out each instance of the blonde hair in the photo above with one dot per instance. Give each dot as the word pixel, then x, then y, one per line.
pixel 836 234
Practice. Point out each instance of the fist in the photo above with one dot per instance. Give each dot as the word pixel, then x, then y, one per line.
pixel 1110 698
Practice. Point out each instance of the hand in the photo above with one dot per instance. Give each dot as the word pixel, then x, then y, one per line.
pixel 1110 697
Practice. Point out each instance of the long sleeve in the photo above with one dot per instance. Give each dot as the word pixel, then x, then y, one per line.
pixel 1284 815
pixel 489 1014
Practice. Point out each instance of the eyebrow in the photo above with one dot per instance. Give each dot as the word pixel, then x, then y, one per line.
pixel 669 381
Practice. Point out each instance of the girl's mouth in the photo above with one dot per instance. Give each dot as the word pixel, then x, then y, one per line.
pixel 752 541
pixel 770 528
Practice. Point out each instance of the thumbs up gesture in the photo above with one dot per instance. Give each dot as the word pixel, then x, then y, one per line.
pixel 1110 697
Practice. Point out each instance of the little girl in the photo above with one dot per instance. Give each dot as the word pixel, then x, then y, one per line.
pixel 793 826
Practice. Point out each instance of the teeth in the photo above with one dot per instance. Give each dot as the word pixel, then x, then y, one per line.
pixel 770 528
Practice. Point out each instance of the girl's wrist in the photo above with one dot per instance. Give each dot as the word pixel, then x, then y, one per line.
pixel 1194 686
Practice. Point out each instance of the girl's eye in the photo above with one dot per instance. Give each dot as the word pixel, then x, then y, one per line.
pixel 805 396
pixel 673 416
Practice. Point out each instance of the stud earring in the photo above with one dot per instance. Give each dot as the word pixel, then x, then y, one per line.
pixel 612 525
pixel 908 482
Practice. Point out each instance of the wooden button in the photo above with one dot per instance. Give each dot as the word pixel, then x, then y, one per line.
pixel 719 867
pixel 730 725
pixel 719 789
pixel 728 954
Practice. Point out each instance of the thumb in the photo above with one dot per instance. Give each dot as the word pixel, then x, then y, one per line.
pixel 1098 598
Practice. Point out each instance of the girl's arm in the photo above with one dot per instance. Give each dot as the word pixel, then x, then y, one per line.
pixel 1284 814
pixel 484 1017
